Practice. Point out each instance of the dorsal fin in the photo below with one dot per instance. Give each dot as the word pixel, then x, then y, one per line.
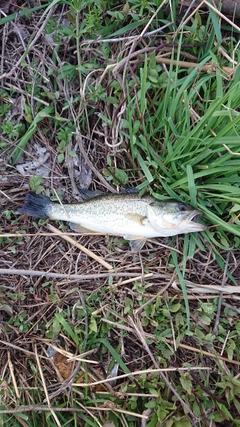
pixel 129 190
pixel 88 194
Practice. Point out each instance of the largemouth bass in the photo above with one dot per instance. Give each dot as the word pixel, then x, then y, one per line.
pixel 135 218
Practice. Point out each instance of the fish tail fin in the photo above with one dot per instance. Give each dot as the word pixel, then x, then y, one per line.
pixel 35 205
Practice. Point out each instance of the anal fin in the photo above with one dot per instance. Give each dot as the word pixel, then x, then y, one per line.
pixel 78 228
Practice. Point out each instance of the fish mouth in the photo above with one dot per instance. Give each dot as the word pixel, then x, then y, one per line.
pixel 195 216
pixel 194 219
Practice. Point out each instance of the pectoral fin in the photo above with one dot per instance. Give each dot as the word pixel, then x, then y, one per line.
pixel 140 219
pixel 78 228
pixel 136 244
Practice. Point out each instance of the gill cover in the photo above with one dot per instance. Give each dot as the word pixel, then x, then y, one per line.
pixel 168 218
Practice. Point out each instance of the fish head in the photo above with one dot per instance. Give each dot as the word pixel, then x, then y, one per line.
pixel 171 218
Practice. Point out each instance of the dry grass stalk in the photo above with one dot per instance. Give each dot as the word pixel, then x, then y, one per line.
pixel 142 372
pixel 209 68
pixel 11 369
pixel 81 247
pixel 45 387
pixel 20 272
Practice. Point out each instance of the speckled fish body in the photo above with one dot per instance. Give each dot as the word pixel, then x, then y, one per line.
pixel 128 215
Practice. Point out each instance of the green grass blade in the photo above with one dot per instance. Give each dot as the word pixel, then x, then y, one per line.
pixel 183 286
pixel 114 354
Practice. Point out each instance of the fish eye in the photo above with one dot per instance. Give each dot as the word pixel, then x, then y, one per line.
pixel 182 207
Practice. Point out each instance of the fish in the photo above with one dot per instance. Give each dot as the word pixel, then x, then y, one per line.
pixel 126 214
